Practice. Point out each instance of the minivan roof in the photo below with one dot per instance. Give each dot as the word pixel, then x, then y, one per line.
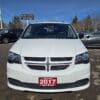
pixel 51 22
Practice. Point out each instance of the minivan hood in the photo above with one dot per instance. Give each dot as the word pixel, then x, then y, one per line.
pixel 48 47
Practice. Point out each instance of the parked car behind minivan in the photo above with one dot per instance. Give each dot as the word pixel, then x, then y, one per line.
pixel 92 40
pixel 10 35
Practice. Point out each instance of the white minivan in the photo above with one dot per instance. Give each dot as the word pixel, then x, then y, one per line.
pixel 48 57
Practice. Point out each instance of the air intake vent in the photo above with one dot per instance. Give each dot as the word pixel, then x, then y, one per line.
pixel 34 58
pixel 59 67
pixel 36 67
pixel 61 58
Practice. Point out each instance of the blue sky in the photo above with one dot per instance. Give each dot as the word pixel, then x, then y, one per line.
pixel 44 10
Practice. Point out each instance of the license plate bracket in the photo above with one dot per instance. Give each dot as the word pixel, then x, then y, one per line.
pixel 47 81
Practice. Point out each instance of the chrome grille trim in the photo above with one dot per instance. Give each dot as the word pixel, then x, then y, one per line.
pixel 48 63
pixel 28 63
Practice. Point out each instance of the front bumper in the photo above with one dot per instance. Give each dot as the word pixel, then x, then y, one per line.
pixel 16 84
pixel 73 79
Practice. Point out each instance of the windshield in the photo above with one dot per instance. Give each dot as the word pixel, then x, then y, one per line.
pixel 51 31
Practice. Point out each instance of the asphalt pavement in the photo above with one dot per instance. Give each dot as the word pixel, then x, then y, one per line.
pixel 92 93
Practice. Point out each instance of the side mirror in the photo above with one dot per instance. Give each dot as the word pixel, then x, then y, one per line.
pixel 81 36
pixel 87 36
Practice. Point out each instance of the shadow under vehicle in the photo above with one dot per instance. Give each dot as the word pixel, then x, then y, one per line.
pixel 9 35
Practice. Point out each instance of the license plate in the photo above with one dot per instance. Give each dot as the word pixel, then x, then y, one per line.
pixel 47 81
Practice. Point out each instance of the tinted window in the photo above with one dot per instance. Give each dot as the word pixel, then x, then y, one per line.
pixel 57 31
pixel 97 34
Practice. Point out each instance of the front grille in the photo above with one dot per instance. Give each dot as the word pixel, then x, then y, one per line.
pixel 48 63
pixel 34 58
pixel 61 58
pixel 59 67
pixel 36 67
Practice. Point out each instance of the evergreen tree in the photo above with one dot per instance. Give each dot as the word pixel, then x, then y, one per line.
pixel 75 23
pixel 75 20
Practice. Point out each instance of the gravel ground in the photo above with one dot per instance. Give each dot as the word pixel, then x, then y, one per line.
pixel 92 93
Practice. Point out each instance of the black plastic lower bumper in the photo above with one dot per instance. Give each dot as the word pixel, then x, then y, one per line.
pixel 58 86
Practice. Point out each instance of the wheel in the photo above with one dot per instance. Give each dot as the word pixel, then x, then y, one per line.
pixel 5 40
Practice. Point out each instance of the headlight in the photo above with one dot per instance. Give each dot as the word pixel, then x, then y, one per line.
pixel 14 58
pixel 82 58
